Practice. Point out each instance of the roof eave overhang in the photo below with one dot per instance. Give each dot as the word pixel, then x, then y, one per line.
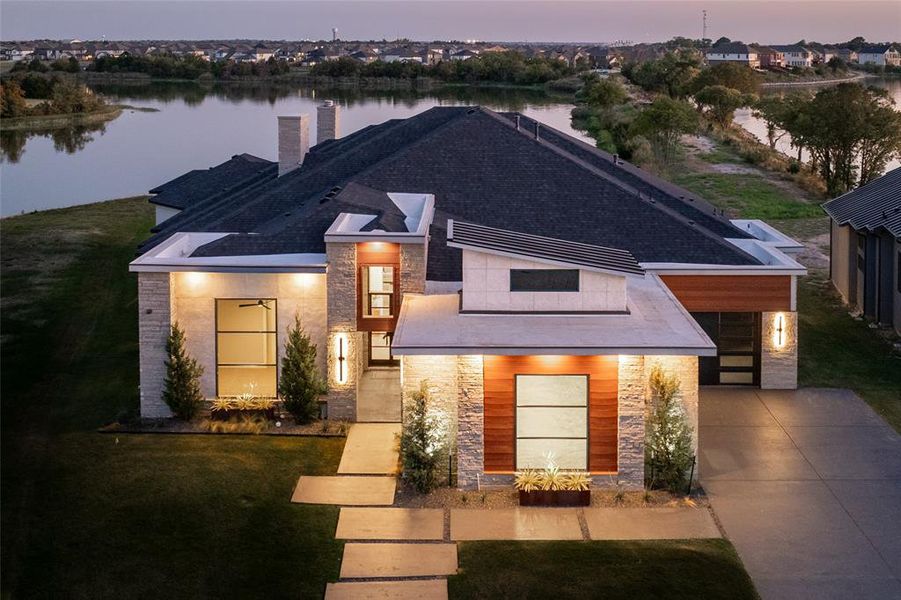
pixel 552 350
pixel 539 259
pixel 703 269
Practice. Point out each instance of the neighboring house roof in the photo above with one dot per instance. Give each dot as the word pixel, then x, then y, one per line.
pixel 876 49
pixel 201 184
pixel 731 48
pixel 480 167
pixel 792 48
pixel 876 205
pixel 513 243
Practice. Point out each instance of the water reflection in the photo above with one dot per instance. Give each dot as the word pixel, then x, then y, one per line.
pixel 65 139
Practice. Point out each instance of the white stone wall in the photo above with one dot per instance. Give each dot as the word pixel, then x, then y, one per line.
pixel 779 364
pixel 154 317
pixel 486 286
pixel 194 306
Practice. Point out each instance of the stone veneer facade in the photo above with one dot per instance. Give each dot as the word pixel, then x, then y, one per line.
pixel 455 385
pixel 779 365
pixel 154 319
pixel 342 320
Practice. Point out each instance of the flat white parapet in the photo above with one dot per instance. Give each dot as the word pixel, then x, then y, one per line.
pixel 768 234
pixel 655 323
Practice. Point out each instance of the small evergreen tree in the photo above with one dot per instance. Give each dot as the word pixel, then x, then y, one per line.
pixel 181 390
pixel 301 384
pixel 422 443
pixel 668 442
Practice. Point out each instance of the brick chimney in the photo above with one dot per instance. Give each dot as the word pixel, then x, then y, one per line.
pixel 293 142
pixel 327 121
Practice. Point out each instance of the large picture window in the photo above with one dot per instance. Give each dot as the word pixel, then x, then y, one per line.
pixel 544 280
pixel 246 347
pixel 552 421
pixel 378 291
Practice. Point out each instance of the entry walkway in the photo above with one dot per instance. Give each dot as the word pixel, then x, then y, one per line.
pixel 807 486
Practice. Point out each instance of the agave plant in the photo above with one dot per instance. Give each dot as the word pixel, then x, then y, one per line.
pixel 529 480
pixel 577 481
pixel 553 478
pixel 245 401
pixel 221 404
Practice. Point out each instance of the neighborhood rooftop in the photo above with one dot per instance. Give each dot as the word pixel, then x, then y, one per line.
pixel 872 206
pixel 498 170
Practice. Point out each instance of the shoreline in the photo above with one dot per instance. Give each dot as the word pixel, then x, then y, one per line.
pixel 855 77
pixel 48 122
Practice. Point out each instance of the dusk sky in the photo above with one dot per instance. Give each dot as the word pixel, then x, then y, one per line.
pixel 586 21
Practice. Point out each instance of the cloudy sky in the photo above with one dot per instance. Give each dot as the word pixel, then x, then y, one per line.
pixel 774 21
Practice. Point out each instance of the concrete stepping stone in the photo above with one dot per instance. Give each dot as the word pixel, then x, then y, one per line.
pixel 667 523
pixel 371 449
pixel 345 491
pixel 398 560
pixel 516 524
pixel 417 589
pixel 390 524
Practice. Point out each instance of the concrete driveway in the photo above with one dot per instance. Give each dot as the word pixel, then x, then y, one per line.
pixel 807 485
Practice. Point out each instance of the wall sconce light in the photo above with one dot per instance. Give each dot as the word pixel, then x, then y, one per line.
pixel 341 358
pixel 779 331
pixel 195 279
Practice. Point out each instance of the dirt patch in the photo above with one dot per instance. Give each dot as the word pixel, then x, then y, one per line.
pixel 698 143
pixel 733 169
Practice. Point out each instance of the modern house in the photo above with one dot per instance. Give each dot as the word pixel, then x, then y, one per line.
pixel 879 55
pixel 865 260
pixel 736 52
pixel 530 279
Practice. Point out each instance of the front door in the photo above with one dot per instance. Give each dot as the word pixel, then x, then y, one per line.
pixel 737 339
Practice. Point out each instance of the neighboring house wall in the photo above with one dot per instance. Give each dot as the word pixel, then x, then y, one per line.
pixel 154 318
pixel 842 260
pixel 194 306
pixel 486 281
pixel 896 290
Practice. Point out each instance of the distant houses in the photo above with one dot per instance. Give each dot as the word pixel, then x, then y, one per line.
pixel 881 55
pixel 735 52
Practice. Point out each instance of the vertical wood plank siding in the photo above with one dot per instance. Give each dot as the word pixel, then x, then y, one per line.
pixel 731 293
pixel 500 405
pixel 377 253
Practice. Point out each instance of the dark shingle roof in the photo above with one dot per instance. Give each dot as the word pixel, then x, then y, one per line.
pixel 731 48
pixel 870 207
pixel 200 184
pixel 515 242
pixel 481 169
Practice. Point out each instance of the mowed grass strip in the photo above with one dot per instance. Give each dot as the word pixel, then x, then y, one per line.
pixel 747 195
pixel 91 515
pixel 671 569
pixel 836 350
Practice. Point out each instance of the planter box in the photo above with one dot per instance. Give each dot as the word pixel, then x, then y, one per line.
pixel 555 498
pixel 225 415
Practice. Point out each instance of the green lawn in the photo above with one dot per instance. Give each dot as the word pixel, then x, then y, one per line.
pixel 837 351
pixel 647 569
pixel 90 515
pixel 747 195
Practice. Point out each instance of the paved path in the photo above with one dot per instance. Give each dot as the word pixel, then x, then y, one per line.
pixel 807 486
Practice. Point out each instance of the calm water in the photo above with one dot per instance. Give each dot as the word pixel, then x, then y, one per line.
pixel 198 127
pixel 758 127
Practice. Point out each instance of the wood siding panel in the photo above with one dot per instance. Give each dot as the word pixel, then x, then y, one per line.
pixel 731 293
pixel 500 405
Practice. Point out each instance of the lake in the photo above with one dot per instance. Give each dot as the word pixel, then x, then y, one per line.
pixel 196 127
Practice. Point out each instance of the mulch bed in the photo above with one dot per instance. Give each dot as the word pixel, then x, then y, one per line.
pixel 202 427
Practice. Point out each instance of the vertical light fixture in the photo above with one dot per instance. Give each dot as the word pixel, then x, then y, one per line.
pixel 341 358
pixel 779 331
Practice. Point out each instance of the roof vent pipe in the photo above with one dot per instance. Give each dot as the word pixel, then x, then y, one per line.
pixel 537 128
pixel 615 158
pixel 517 122
pixel 293 142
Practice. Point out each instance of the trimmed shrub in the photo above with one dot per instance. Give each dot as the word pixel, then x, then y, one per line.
pixel 181 390
pixel 668 443
pixel 301 383
pixel 422 442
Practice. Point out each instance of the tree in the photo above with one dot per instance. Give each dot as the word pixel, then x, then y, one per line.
pixel 12 100
pixel 300 384
pixel 722 40
pixel 732 75
pixel 672 74
pixel 778 113
pixel 422 443
pixel 669 450
pixel 663 122
pixel 181 389
pixel 851 133
pixel 69 97
pixel 721 102
pixel 68 65
pixel 603 93
pixel 836 64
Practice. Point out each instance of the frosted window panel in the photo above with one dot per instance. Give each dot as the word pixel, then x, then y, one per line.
pixel 568 454
pixel 232 316
pixel 736 361
pixel 551 390
pixel 247 348
pixel 242 380
pixel 551 422
pixel 741 378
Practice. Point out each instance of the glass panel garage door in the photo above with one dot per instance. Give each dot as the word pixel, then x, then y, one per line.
pixel 552 421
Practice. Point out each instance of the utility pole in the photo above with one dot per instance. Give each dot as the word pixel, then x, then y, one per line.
pixel 704 28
